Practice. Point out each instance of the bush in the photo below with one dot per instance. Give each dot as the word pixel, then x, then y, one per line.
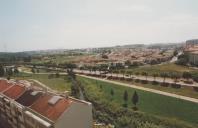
pixel 144 81
pixel 155 82
pixel 182 60
pixel 164 84
pixel 50 76
pixel 176 86
pixel 137 80
pixel 196 89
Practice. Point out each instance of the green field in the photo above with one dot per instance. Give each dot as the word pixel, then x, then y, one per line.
pixel 60 84
pixel 150 103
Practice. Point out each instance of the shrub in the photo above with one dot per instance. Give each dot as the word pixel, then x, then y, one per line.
pixel 195 88
pixel 164 84
pixel 176 86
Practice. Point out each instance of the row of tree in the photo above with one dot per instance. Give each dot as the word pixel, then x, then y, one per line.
pixel 8 71
pixel 134 98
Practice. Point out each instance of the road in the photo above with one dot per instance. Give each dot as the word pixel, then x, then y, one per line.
pixel 145 89
pixel 149 78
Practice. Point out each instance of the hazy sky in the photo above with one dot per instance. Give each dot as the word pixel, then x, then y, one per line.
pixel 51 24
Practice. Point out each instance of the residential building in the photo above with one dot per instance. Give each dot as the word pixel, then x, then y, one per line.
pixel 25 107
pixel 191 50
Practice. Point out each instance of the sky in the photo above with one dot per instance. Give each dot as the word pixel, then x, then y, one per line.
pixel 67 24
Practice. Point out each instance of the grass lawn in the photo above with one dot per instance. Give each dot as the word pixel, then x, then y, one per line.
pixel 150 103
pixel 60 84
pixel 171 67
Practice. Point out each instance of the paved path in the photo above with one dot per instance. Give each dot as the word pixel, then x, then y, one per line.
pixel 146 89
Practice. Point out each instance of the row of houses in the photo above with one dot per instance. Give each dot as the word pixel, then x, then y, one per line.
pixel 25 106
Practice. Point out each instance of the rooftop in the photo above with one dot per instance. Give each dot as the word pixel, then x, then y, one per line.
pixel 51 106
pixel 29 97
pixel 4 85
pixel 15 91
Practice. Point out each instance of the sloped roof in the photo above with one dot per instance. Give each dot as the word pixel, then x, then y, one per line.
pixel 15 91
pixel 51 111
pixel 29 97
pixel 4 85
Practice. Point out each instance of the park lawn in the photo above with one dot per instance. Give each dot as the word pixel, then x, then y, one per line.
pixel 170 67
pixel 149 103
pixel 60 84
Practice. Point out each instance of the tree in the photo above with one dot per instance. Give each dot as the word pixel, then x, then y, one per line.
pixel 154 76
pixel 112 92
pixel 186 75
pixel 129 73
pixel 37 71
pixel 176 76
pixel 182 59
pixel 57 75
pixel 16 71
pixel 128 63
pixel 100 87
pixel 125 97
pixel 145 74
pixel 71 73
pixel 135 99
pixel 104 56
pixel 175 52
pixel 27 59
pixel 164 75
pixel 75 90
pixel 2 71
pixel 137 73
pixel 32 70
pixel 10 72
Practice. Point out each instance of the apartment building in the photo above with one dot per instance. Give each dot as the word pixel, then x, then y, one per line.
pixel 25 107
pixel 191 50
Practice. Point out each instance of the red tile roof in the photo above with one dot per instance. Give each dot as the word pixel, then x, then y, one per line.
pixel 4 85
pixel 52 112
pixel 15 91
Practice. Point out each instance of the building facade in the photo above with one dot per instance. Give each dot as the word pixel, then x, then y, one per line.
pixel 24 107
pixel 191 50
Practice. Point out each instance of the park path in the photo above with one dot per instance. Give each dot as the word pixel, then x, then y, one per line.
pixel 145 89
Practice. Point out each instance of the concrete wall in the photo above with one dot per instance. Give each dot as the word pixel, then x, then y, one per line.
pixel 78 115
